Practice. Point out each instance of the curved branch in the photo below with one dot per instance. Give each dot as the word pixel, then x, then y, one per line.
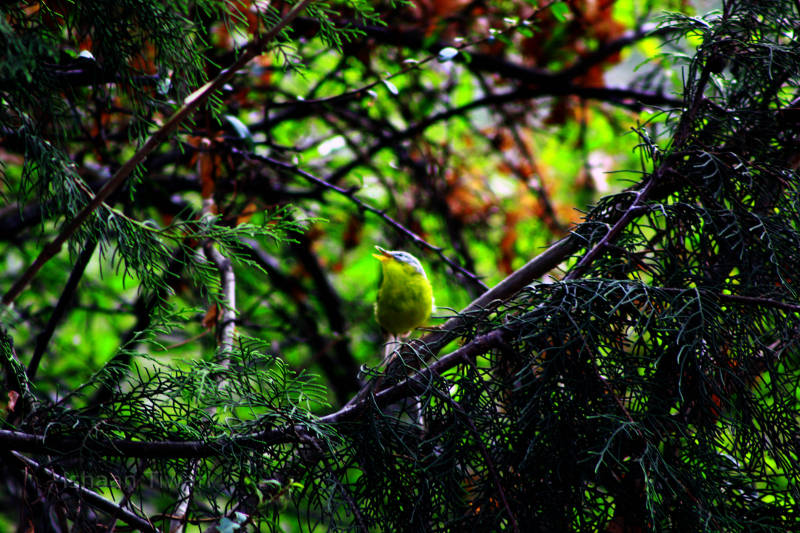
pixel 628 98
pixel 491 63
pixel 165 449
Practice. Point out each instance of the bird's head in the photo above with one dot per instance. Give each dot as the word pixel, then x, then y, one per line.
pixel 402 257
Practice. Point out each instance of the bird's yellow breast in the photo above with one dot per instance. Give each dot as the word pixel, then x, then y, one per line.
pixel 405 298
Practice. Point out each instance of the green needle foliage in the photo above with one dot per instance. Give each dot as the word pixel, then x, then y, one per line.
pixel 651 384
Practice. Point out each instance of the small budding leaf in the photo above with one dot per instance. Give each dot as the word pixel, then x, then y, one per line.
pixel 447 53
pixel 391 87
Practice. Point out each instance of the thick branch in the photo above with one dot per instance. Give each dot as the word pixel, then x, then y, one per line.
pixel 508 287
pixel 414 384
pixel 227 322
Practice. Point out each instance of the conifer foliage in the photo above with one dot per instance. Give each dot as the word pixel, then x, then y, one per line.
pixel 191 193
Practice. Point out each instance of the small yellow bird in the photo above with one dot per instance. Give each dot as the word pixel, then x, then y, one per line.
pixel 405 296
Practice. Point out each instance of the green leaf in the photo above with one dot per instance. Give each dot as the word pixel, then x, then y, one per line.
pixel 560 11
pixel 525 31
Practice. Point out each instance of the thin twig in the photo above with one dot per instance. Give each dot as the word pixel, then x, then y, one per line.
pixel 143 310
pixel 43 339
pixel 741 299
pixel 415 39
pixel 331 352
pixel 627 98
pixel 478 61
pixel 634 209
pixel 185 492
pixel 350 193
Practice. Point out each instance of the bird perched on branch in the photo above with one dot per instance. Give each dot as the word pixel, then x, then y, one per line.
pixel 405 296
pixel 405 301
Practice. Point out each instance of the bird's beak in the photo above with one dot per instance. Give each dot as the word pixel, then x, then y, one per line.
pixel 384 255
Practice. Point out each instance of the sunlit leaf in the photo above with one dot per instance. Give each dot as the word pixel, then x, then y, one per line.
pixel 391 87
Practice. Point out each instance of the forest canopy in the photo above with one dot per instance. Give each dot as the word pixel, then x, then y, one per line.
pixel 603 194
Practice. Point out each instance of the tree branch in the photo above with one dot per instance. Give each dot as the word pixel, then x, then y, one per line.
pixel 634 209
pixel 165 449
pixel 227 322
pixel 493 63
pixel 628 98
pixel 508 287
pixel 86 495
pixel 43 339
pixel 414 384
